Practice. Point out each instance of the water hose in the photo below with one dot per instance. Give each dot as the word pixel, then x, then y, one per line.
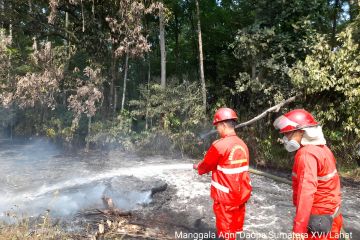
pixel 271 176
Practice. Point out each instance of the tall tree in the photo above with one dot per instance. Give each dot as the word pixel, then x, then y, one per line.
pixel 201 56
pixel 125 79
pixel 2 13
pixel 128 35
pixel 162 47
pixel 87 96
pixel 335 21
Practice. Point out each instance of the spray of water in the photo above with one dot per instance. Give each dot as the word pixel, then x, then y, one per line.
pixel 37 179
pixel 140 172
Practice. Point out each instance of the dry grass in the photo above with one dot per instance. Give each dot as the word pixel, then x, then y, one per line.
pixel 118 228
pixel 23 229
pixel 121 228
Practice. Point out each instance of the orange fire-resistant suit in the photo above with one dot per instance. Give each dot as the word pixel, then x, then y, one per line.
pixel 316 189
pixel 228 159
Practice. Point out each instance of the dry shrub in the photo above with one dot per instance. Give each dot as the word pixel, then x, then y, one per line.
pixel 41 229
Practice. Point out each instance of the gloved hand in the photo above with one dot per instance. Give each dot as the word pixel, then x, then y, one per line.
pixel 195 166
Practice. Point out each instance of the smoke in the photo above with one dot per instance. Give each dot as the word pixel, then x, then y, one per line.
pixel 35 178
pixel 70 201
pixel 7 117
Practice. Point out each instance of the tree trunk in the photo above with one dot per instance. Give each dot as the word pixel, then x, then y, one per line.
pixel 177 33
pixel 115 98
pixel 192 30
pixel 10 22
pixel 334 23
pixel 147 100
pixel 116 87
pixel 2 13
pixel 162 49
pixel 93 8
pixel 9 77
pixel 66 27
pixel 82 16
pixel 113 79
pixel 253 70
pixel 30 6
pixel 88 134
pixel 11 127
pixel 125 79
pixel 354 6
pixel 67 40
pixel 201 57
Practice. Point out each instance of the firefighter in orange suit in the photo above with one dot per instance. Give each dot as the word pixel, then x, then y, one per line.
pixel 228 160
pixel 316 183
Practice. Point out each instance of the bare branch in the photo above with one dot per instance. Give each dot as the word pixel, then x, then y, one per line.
pixel 275 108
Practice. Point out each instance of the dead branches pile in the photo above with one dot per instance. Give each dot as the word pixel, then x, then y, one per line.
pixel 113 223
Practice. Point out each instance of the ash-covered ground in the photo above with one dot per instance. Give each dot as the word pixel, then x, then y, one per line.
pixel 163 193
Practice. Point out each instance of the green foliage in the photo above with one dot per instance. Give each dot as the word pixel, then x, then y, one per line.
pixel 174 113
pixel 253 42
pixel 6 116
pixel 344 146
pixel 271 153
pixel 167 106
pixel 57 127
pixel 264 79
pixel 334 76
pixel 257 53
pixel 331 79
pixel 116 132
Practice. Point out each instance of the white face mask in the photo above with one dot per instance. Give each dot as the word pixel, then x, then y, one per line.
pixel 290 146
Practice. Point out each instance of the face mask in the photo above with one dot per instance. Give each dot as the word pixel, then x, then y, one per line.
pixel 291 146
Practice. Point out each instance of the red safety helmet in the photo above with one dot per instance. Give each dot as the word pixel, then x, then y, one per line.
pixel 295 120
pixel 223 114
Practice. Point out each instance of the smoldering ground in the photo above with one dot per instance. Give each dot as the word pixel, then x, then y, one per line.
pixel 163 193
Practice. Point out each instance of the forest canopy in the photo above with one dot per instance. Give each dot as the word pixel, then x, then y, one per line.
pixel 150 74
